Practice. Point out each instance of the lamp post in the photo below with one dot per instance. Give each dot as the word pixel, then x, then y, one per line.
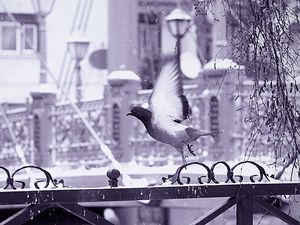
pixel 78 46
pixel 178 22
pixel 42 8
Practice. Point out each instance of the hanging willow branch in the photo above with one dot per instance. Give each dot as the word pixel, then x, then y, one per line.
pixel 265 39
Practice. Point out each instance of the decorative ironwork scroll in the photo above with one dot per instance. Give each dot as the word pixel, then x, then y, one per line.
pixel 231 175
pixel 20 126
pixel 72 142
pixel 18 184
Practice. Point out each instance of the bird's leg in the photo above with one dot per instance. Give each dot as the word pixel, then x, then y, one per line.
pixel 182 156
pixel 184 162
pixel 183 159
pixel 190 149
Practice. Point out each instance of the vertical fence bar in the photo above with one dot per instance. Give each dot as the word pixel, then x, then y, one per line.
pixel 244 211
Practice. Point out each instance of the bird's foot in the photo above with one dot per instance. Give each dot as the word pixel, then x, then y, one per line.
pixel 190 149
pixel 184 162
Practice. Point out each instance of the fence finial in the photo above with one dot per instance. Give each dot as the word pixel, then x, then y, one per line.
pixel 113 175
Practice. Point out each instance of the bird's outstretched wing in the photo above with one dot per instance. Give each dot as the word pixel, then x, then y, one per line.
pixel 167 98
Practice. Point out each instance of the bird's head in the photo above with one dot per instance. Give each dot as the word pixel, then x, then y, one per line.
pixel 142 114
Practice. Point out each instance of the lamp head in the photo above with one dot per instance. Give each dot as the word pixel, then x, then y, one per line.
pixel 178 22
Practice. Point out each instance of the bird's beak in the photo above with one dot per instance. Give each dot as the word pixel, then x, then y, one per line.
pixel 129 114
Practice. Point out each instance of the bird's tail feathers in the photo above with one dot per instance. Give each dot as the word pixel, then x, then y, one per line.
pixel 206 133
pixel 194 133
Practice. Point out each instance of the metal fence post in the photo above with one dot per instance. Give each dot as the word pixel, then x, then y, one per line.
pixel 244 211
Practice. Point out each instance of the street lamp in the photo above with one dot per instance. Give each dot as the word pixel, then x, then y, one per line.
pixel 78 46
pixel 42 8
pixel 178 22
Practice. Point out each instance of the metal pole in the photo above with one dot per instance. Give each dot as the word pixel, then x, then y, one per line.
pixel 78 82
pixel 42 48
pixel 178 51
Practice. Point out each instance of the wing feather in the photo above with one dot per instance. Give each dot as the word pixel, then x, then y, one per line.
pixel 167 98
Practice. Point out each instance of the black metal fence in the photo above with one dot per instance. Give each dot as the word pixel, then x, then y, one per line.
pixel 245 195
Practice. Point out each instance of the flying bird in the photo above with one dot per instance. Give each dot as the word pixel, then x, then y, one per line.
pixel 168 108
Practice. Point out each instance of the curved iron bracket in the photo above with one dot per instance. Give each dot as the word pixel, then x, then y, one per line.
pixel 48 180
pixel 210 173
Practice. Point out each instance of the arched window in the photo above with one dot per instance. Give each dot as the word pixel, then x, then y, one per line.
pixel 37 132
pixel 116 133
pixel 214 117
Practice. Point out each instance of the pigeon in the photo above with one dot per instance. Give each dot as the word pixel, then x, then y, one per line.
pixel 169 107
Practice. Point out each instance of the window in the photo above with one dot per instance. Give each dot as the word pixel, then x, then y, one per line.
pixel 149 40
pixel 116 123
pixel 37 134
pixel 149 47
pixel 17 38
pixel 9 37
pixel 214 117
pixel 29 37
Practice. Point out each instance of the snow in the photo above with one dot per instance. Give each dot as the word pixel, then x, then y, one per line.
pixel 221 64
pixel 178 14
pixel 134 169
pixel 122 75
pixel 78 38
pixel 44 88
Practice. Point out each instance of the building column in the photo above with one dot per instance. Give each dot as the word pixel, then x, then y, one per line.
pixel 122 34
pixel 221 77
pixel 124 86
pixel 42 126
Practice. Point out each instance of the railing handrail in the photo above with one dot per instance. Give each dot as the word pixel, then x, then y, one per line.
pixel 103 194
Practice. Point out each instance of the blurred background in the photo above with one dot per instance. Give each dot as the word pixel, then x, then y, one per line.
pixel 72 69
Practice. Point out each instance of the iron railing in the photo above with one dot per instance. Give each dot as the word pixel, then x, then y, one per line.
pixel 245 195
